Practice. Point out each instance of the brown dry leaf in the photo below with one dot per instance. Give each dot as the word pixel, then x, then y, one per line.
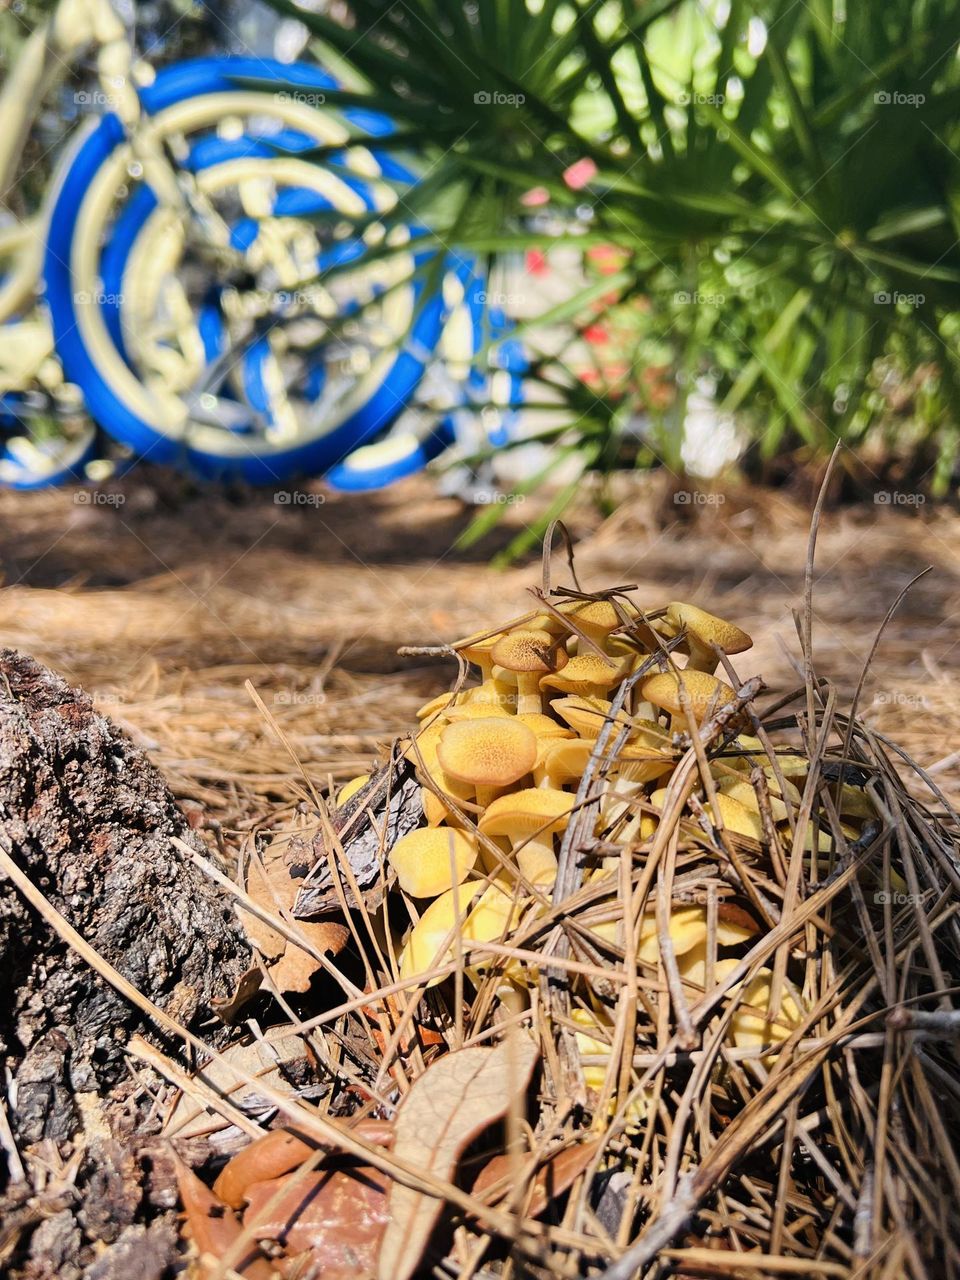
pixel 556 1175
pixel 214 1229
pixel 338 1215
pixel 271 1156
pixel 296 967
pixel 454 1100
pixel 268 1061
pixel 388 1008
pixel 270 888
pixel 280 1151
pixel 273 888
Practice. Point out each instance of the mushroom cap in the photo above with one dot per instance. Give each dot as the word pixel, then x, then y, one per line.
pixel 545 727
pixel 584 673
pixel 492 751
pixel 737 817
pixel 430 860
pixel 350 789
pixel 586 714
pixel 529 653
pixel 706 628
pixel 477 645
pixel 565 759
pixel 594 617
pixel 478 711
pixel 443 702
pixel 704 692
pixel 490 917
pixel 687 928
pixel 534 810
pixel 740 788
pixel 751 1026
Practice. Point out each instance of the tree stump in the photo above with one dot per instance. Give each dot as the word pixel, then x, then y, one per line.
pixel 87 817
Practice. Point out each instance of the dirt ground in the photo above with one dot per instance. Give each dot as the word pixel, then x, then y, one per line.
pixel 165 607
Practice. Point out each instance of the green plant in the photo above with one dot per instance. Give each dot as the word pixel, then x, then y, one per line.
pixel 778 183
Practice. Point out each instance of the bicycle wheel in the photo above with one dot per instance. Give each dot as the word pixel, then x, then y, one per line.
pixel 464 406
pixel 30 461
pixel 243 341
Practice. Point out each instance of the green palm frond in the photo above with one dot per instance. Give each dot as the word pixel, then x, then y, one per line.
pixel 768 173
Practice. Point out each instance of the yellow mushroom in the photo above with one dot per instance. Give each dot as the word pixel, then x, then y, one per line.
pixel 742 790
pixel 350 789
pixel 597 619
pixel 489 753
pixel 586 715
pixel 752 1025
pixel 704 634
pixel 562 761
pixel 585 675
pixel 704 694
pixel 478 650
pixel 530 655
pixel 432 941
pixel 431 860
pixel 529 819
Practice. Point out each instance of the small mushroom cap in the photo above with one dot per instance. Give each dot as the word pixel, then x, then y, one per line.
pixel 586 714
pixel 544 727
pixel 737 817
pixel 705 692
pixel 566 759
pixel 350 789
pixel 687 928
pixel 478 711
pixel 443 702
pixel 790 766
pixel 595 618
pixel 751 1025
pixel 477 646
pixel 430 860
pixel 743 790
pixel 705 628
pixel 490 752
pixel 529 653
pixel 491 917
pixel 524 813
pixel 583 674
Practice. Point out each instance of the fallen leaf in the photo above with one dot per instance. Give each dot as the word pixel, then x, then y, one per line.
pixel 229 1009
pixel 268 1157
pixel 556 1175
pixel 280 1151
pixel 338 1215
pixel 273 888
pixel 386 1012
pixel 296 967
pixel 268 1061
pixel 214 1229
pixel 454 1100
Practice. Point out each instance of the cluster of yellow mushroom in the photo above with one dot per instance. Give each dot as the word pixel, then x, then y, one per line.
pixel 500 762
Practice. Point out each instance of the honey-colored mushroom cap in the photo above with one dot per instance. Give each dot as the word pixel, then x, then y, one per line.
pixel 705 693
pixel 529 652
pixel 703 632
pixel 586 715
pixel 584 674
pixel 493 751
pixel 526 812
pixel 431 860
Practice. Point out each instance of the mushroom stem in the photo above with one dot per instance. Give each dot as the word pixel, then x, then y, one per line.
pixel 529 702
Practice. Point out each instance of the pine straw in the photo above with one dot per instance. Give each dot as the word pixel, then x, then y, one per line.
pixel 832 1153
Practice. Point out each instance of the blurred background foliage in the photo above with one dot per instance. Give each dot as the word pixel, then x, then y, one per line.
pixel 760 201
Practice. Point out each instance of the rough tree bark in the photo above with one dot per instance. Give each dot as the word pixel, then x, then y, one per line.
pixel 90 820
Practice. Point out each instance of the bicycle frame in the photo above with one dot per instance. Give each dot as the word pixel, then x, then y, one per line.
pixel 74 26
